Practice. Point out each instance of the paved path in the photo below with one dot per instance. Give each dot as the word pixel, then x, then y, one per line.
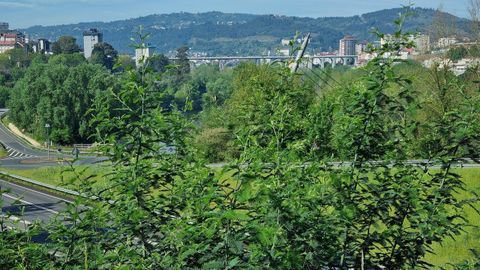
pixel 27 205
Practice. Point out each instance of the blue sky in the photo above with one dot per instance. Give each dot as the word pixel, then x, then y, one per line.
pixel 24 13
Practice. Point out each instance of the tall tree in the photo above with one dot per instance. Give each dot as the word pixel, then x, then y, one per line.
pixel 65 44
pixel 159 62
pixel 104 54
pixel 474 10
pixel 125 62
pixel 183 64
pixel 443 25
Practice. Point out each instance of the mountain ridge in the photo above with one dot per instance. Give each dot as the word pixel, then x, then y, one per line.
pixel 218 33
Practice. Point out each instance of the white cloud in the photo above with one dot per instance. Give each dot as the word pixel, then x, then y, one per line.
pixel 16 4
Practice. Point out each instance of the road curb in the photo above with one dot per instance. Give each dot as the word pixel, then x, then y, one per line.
pixel 64 193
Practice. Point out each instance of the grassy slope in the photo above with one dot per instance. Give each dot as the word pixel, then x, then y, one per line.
pixel 451 251
pixel 454 251
pixel 3 152
pixel 57 176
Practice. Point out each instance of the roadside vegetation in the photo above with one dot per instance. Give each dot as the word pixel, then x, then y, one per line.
pixel 3 152
pixel 458 250
pixel 277 202
pixel 463 249
pixel 63 175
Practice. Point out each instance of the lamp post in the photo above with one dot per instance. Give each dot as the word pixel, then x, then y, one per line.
pixel 47 126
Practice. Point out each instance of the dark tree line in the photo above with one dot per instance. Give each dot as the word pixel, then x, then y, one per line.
pixel 58 92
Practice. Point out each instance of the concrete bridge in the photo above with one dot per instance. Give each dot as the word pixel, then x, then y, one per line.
pixel 307 61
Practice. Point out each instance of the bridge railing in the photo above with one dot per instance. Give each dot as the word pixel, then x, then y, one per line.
pixel 264 57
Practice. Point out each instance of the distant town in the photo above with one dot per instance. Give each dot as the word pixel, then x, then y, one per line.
pixel 351 51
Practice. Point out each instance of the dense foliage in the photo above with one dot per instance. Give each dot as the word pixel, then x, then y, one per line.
pixel 60 89
pixel 104 54
pixel 66 45
pixel 458 53
pixel 59 93
pixel 280 202
pixel 12 68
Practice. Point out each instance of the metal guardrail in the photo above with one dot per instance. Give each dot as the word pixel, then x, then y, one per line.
pixel 50 188
pixel 262 57
pixel 83 145
pixel 40 184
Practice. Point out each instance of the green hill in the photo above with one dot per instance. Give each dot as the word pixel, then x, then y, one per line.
pixel 219 33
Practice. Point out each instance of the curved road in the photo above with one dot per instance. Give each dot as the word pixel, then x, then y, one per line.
pixel 21 206
pixel 23 155
pixel 17 147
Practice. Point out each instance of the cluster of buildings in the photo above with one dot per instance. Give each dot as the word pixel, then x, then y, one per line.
pixel 349 45
pixel 13 39
pixel 94 36
pixel 429 53
pixel 10 39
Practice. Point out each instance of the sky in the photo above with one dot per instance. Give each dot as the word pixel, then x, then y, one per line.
pixel 24 13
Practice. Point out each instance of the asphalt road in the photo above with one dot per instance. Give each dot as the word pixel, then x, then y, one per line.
pixel 23 156
pixel 27 205
pixel 16 147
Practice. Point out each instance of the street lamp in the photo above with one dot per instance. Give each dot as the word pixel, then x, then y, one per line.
pixel 47 126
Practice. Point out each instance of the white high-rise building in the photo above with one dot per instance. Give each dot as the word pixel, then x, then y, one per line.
pixel 142 54
pixel 446 42
pixel 422 43
pixel 90 38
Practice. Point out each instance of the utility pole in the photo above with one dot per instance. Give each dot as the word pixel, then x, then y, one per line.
pixel 294 66
pixel 47 126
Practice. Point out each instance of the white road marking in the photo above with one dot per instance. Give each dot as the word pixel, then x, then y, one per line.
pixel 30 203
pixel 22 156
pixel 38 192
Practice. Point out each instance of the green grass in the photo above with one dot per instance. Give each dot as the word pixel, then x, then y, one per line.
pixel 58 175
pixel 453 251
pixel 3 152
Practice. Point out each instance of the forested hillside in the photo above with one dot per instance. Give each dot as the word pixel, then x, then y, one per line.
pixel 219 33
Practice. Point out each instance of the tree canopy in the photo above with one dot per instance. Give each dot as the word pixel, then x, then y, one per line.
pixel 59 95
pixel 65 45
pixel 104 54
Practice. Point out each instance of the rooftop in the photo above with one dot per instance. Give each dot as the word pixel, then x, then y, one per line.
pixel 92 32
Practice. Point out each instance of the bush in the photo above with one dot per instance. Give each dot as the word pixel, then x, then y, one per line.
pixel 215 144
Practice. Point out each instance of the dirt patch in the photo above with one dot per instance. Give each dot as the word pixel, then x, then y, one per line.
pixel 17 132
